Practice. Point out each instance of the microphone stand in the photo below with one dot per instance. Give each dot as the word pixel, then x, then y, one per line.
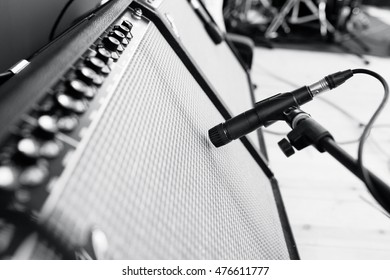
pixel 306 131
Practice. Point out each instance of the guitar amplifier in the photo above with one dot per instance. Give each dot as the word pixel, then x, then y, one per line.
pixel 104 150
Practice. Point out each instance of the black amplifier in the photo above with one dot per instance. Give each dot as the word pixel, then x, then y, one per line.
pixel 104 152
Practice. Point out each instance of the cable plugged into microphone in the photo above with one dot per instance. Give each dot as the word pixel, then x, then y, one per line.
pixel 272 109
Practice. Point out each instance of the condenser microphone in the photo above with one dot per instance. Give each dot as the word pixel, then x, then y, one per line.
pixel 271 109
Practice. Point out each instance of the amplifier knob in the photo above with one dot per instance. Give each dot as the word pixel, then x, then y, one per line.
pixel 87 75
pixel 106 70
pixel 103 54
pixel 47 127
pixel 95 63
pixel 125 42
pixel 50 149
pixel 78 106
pixel 78 89
pixel 98 80
pixel 67 123
pixel 125 30
pixel 117 35
pixel 115 56
pixel 8 178
pixel 127 24
pixel 28 150
pixel 121 48
pixel 34 175
pixel 111 43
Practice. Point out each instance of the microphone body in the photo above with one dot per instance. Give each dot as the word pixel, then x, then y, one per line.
pixel 272 109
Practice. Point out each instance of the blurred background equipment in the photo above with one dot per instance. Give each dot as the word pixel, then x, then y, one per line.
pixel 333 25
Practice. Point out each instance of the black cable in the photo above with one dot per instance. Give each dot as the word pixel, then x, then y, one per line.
pixel 57 22
pixel 5 76
pixel 369 126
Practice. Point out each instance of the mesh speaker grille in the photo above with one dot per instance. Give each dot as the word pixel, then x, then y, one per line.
pixel 219 63
pixel 150 179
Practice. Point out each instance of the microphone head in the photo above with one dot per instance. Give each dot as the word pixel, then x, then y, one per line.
pixel 218 136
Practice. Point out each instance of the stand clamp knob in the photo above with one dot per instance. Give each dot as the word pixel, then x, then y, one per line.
pixel 286 147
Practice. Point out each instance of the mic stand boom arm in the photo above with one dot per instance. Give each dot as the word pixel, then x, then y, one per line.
pixel 306 131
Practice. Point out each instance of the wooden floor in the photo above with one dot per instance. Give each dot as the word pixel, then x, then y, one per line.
pixel 331 213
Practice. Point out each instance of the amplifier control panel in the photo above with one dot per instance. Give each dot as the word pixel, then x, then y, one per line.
pixel 38 148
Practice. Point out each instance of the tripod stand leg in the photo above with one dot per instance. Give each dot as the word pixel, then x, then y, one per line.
pixel 349 50
pixel 271 31
pixel 358 41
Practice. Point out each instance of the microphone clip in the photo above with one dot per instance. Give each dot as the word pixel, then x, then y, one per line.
pixel 305 132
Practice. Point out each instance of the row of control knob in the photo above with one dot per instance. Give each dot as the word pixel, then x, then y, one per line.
pixel 95 67
pixel 27 162
pixel 119 37
pixel 93 70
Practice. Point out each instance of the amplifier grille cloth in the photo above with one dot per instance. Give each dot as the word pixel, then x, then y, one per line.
pixel 152 182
